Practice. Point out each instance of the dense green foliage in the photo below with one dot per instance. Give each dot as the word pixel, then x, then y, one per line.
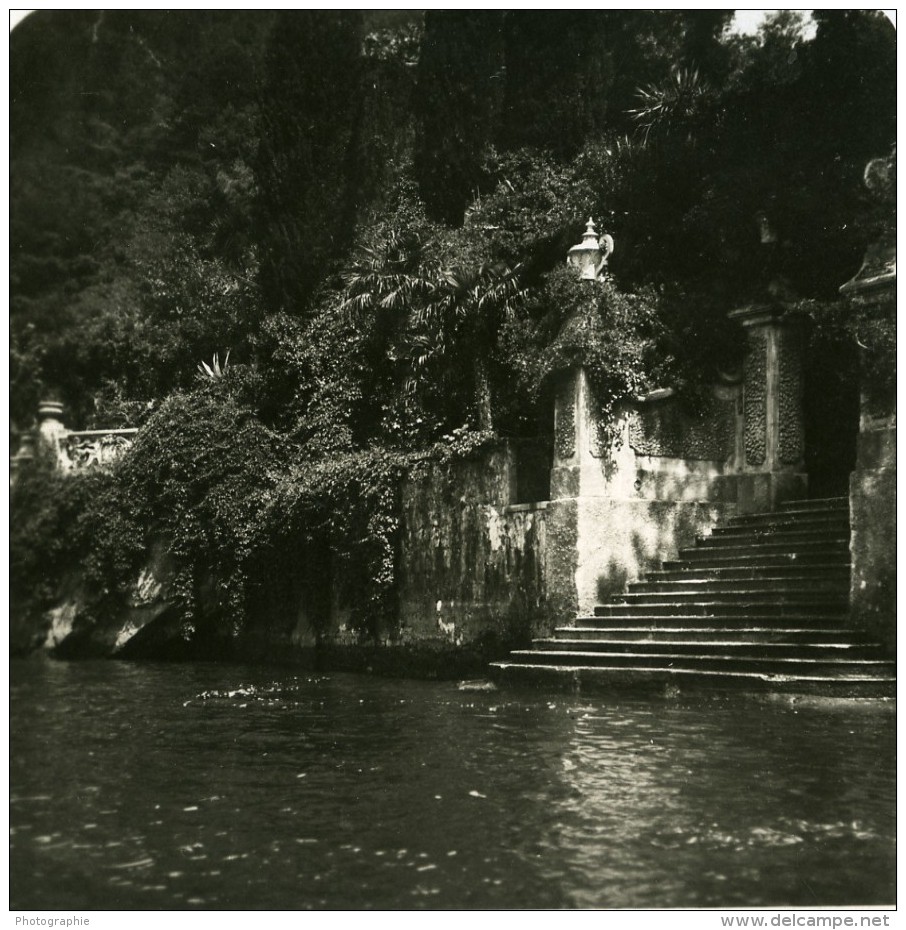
pixel 309 99
pixel 460 89
pixel 370 212
pixel 244 513
pixel 70 535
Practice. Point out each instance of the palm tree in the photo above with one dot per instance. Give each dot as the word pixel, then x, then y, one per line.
pixel 467 306
pixel 390 277
pixel 675 106
pixel 425 311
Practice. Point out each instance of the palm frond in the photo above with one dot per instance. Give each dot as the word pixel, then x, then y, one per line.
pixel 671 106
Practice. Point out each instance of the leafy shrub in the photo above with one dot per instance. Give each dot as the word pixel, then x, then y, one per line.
pixel 200 474
pixel 70 529
pixel 242 508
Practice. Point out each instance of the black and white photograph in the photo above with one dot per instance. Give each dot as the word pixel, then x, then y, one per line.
pixel 452 465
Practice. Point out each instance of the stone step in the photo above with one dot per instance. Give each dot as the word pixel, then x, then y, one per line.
pixel 684 645
pixel 760 604
pixel 731 535
pixel 706 662
pixel 791 572
pixel 579 678
pixel 818 503
pixel 713 559
pixel 753 618
pixel 723 613
pixel 709 547
pixel 708 634
pixel 834 584
pixel 806 519
pixel 742 593
pixel 736 609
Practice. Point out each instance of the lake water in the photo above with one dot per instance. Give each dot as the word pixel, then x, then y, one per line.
pixel 221 786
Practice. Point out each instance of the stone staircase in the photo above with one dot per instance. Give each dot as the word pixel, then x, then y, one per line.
pixel 760 604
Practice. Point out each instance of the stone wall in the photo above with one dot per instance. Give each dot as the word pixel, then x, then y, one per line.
pixel 484 564
pixel 482 568
pixel 667 475
pixel 618 541
pixel 873 517
pixel 873 483
pixel 473 566
pixel 655 449
pixel 665 428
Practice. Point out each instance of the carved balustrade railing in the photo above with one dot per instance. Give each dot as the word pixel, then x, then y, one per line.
pixel 94 447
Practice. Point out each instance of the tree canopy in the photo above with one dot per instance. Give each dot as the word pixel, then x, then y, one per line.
pixel 368 213
pixel 193 182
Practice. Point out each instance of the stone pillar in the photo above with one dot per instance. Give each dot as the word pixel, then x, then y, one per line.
pixel 773 466
pixel 52 431
pixel 873 483
pixel 873 522
pixel 22 461
pixel 602 531
pixel 565 473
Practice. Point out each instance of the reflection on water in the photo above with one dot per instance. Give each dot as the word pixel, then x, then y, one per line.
pixel 173 786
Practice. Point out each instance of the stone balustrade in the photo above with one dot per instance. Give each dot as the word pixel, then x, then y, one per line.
pixel 88 448
pixel 73 450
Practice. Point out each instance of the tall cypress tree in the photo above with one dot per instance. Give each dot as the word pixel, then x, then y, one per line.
pixel 558 75
pixel 306 164
pixel 459 84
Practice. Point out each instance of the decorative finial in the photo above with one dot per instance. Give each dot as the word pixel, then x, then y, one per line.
pixel 766 232
pixel 878 273
pixel 591 254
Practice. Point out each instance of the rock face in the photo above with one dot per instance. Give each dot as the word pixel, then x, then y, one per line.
pixel 70 632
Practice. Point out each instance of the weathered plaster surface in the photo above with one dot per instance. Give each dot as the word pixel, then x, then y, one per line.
pixel 637 465
pixel 873 497
pixel 561 559
pixel 621 540
pixel 471 565
pixel 617 513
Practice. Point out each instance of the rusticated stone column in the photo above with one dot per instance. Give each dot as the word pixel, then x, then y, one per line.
pixel 567 415
pixel 773 466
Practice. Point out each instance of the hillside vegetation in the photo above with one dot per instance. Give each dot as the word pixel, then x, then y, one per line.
pixel 369 211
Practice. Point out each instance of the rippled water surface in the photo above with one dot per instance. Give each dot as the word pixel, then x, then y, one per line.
pixel 173 786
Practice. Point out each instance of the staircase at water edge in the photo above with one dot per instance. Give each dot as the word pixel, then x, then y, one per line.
pixel 760 604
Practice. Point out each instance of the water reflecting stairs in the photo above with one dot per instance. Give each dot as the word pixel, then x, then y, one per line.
pixel 760 604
